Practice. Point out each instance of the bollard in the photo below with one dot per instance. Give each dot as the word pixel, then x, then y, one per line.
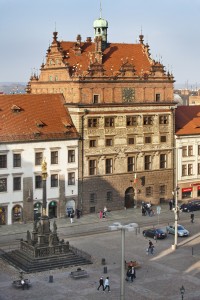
pixel 51 278
pixel 105 270
pixel 103 261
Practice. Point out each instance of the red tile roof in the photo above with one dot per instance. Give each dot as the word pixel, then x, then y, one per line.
pixel 113 56
pixel 187 120
pixel 34 117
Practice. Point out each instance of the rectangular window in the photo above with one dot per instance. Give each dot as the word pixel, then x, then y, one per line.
pixel 157 97
pixel 38 181
pixel 131 121
pixel 93 197
pixel 71 178
pixel 38 158
pixel 16 160
pixel 198 149
pixel 54 180
pixel 17 184
pixel 149 191
pixel 184 170
pixel 109 166
pixel 147 120
pixel 147 139
pixel 92 167
pixel 3 184
pixel 54 157
pixel 198 168
pixel 184 151
pixel 163 139
pixel 109 196
pixel 190 169
pixel 163 119
pixel 71 156
pixel 109 122
pixel 163 161
pixel 3 161
pixel 147 162
pixel 131 140
pixel 162 189
pixel 190 150
pixel 96 99
pixel 92 122
pixel 131 164
pixel 108 142
pixel 93 143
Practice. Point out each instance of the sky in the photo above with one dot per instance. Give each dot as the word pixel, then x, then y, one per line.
pixel 171 28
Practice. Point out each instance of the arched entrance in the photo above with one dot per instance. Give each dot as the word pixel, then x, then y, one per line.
pixel 129 198
pixel 2 215
pixel 17 214
pixel 37 210
pixel 53 209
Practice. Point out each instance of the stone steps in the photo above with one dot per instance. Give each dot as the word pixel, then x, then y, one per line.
pixel 30 265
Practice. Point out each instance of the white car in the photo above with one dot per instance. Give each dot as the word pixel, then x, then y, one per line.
pixel 180 230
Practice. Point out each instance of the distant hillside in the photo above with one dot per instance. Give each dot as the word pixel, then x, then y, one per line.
pixel 13 87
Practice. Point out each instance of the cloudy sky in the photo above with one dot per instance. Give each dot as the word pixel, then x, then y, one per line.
pixel 171 28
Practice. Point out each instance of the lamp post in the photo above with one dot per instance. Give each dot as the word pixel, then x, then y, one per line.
pixel 175 193
pixel 182 290
pixel 129 227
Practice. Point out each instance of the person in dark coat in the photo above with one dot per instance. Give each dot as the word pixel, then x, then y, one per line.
pixel 192 217
pixel 101 283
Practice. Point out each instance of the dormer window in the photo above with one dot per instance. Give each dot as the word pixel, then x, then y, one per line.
pixel 39 123
pixel 15 108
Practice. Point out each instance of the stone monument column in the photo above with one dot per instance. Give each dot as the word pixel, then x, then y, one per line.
pixel 44 225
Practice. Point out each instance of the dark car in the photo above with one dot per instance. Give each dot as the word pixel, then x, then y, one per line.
pixel 190 206
pixel 155 233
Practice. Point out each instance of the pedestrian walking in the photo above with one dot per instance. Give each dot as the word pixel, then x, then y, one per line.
pixel 107 284
pixel 72 217
pixel 100 214
pixel 101 283
pixel 192 217
pixel 133 274
pixel 151 247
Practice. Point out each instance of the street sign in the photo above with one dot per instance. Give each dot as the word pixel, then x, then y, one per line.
pixel 158 210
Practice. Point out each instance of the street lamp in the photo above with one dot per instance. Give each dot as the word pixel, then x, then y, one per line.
pixel 129 227
pixel 175 193
pixel 182 290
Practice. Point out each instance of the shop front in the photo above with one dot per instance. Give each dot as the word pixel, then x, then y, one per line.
pixel 17 214
pixel 186 192
pixel 3 212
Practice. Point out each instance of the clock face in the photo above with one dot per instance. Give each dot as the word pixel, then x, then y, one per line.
pixel 128 94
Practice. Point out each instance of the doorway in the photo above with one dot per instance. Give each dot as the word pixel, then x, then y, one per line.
pixel 129 198
pixel 53 209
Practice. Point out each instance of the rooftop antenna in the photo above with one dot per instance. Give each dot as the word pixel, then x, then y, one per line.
pixel 100 10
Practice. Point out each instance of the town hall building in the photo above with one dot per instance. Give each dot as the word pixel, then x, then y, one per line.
pixel 122 105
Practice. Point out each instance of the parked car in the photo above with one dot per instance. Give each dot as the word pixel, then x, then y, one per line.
pixel 190 206
pixel 181 231
pixel 155 233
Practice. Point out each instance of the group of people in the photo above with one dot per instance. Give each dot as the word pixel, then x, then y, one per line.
pixel 130 274
pixel 71 214
pixel 147 209
pixel 104 284
pixel 103 214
